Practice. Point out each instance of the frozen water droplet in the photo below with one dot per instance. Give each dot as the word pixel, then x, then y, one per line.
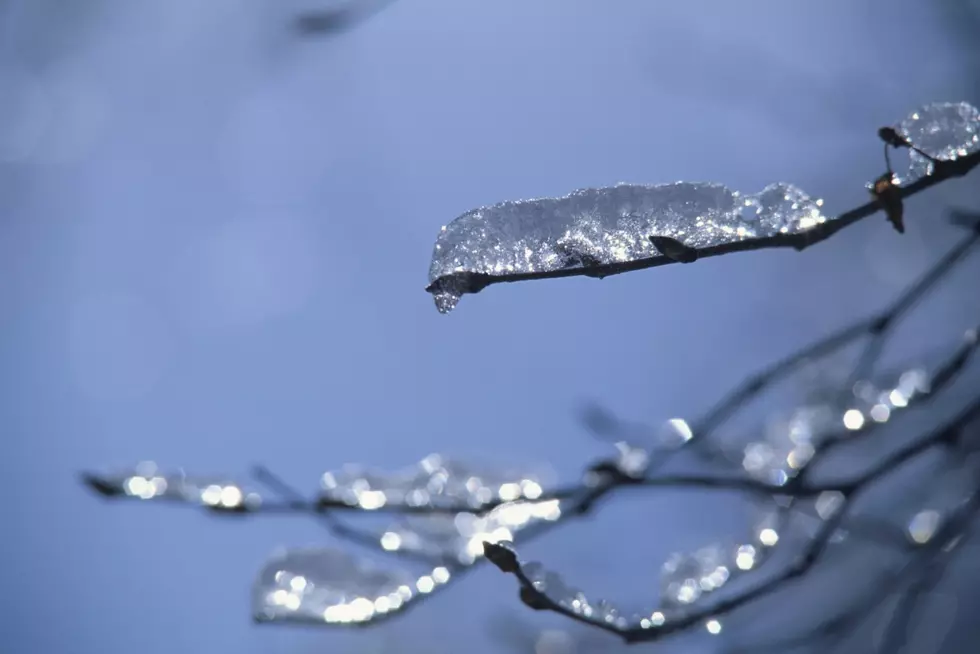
pixel 447 290
pixel 445 302
pixel 942 130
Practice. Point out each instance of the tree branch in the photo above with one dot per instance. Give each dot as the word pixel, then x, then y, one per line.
pixel 474 282
pixel 505 558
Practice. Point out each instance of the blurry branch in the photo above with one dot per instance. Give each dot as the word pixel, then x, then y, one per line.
pixel 928 574
pixel 505 557
pixel 925 571
pixel 336 20
pixel 876 326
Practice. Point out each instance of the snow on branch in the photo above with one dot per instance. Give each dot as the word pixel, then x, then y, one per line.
pixel 598 232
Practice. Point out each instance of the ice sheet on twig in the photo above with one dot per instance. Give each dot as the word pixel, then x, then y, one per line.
pixel 333 586
pixel 637 445
pixel 552 586
pixel 459 538
pixel 791 438
pixel 439 482
pixel 943 131
pixel 145 482
pixel 613 224
pixel 434 481
pixel 596 227
pixel 602 231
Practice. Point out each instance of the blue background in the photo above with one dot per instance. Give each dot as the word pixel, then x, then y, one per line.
pixel 214 236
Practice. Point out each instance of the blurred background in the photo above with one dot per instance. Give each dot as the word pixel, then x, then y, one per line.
pixel 216 219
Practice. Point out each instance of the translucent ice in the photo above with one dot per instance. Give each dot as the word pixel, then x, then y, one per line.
pixel 146 482
pixel 439 482
pixel 603 231
pixel 600 227
pixel 550 584
pixel 942 130
pixel 459 537
pixel 333 586
pixel 790 439
pixel 434 481
pixel 687 577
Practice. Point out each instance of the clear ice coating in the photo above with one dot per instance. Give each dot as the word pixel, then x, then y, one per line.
pixel 551 585
pixel 942 130
pixel 459 538
pixel 330 585
pixel 595 227
pixel 600 226
pixel 437 481
pixel 146 482
pixel 687 577
pixel 434 481
pixel 634 455
pixel 791 439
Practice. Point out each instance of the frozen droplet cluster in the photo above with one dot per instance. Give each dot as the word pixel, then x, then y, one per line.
pixel 599 226
pixel 329 585
pixel 942 130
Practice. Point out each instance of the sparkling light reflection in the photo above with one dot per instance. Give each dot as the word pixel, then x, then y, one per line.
pixel 327 585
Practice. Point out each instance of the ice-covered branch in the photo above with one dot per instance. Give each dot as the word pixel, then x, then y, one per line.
pixel 438 519
pixel 877 327
pixel 438 487
pixel 598 232
pixel 935 549
pixel 542 589
pixel 445 511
